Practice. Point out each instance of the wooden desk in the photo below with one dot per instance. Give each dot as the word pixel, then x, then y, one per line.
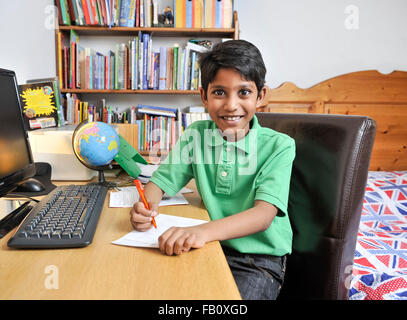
pixel 106 271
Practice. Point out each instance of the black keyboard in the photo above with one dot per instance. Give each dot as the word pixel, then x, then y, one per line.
pixel 65 218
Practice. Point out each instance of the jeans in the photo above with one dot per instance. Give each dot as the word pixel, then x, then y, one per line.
pixel 257 276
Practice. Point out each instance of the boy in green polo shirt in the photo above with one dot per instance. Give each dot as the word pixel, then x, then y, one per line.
pixel 242 172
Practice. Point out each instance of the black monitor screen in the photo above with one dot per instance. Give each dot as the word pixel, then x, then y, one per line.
pixel 15 153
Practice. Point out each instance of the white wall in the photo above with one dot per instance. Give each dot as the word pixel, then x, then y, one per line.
pixel 306 42
pixel 27 39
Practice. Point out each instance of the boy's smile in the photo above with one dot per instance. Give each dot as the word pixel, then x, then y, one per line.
pixel 231 102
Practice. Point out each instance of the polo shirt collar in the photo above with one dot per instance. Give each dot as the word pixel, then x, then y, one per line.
pixel 242 144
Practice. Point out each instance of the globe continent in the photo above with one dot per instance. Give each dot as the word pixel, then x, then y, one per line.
pixel 96 143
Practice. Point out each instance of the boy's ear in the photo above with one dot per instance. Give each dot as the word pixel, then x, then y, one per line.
pixel 204 98
pixel 261 96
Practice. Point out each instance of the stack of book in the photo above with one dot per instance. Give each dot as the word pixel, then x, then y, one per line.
pixel 77 111
pixel 204 13
pixel 147 13
pixel 113 13
pixel 158 128
pixel 192 114
pixel 133 65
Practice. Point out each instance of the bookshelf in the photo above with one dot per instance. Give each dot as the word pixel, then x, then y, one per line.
pixel 163 32
pixel 168 32
pixel 101 34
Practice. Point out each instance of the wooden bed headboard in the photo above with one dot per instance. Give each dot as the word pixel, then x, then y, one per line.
pixel 370 93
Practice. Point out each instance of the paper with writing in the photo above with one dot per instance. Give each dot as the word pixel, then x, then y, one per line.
pixel 149 239
pixel 126 197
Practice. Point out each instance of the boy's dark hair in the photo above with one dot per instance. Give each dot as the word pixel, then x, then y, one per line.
pixel 240 55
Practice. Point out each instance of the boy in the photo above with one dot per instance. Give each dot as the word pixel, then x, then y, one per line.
pixel 242 173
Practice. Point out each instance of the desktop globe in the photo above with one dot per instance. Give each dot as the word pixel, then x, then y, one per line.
pixel 97 144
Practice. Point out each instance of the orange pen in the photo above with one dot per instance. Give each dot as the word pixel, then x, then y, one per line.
pixel 140 190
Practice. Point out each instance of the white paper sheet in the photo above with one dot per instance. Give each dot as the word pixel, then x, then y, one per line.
pixel 127 196
pixel 149 239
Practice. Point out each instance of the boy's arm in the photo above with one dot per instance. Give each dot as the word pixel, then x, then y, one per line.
pixel 177 240
pixel 153 194
pixel 253 220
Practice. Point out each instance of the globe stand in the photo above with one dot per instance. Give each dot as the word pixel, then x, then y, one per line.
pixel 102 181
pixel 101 177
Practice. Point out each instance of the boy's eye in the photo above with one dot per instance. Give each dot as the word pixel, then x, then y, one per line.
pixel 218 92
pixel 244 92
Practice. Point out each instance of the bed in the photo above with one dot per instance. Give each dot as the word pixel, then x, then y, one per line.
pixel 379 271
pixel 380 262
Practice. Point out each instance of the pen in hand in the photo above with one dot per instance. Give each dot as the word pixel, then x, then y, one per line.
pixel 140 190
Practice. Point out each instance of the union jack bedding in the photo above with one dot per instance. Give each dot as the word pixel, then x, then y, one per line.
pixel 380 262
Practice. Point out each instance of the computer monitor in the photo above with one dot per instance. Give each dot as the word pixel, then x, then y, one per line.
pixel 16 160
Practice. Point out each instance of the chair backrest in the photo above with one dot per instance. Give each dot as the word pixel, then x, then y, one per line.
pixel 326 195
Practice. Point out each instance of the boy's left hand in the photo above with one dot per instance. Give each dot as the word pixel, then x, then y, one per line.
pixel 177 239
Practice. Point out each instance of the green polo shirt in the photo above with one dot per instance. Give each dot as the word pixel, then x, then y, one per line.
pixel 230 176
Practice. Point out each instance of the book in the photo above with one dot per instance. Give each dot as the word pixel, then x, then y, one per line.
pixel 218 13
pixel 39 104
pixel 74 39
pixel 163 66
pixel 86 12
pixel 180 13
pixel 127 13
pixel 209 13
pixel 66 19
pixel 146 40
pixel 188 14
pixel 154 110
pixel 74 16
pixel 197 13
pixel 227 14
pixel 189 65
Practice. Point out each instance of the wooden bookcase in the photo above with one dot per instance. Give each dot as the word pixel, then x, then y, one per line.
pixel 232 33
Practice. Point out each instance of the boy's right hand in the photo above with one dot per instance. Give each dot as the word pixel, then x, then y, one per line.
pixel 141 218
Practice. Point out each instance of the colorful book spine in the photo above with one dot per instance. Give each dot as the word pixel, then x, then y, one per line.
pixel 156 69
pixel 124 12
pixel 188 13
pixel 227 14
pixel 192 70
pixel 94 13
pixel 65 13
pixel 175 67
pixel 146 39
pixel 197 13
pixel 163 66
pixel 180 13
pixel 218 14
pixel 86 11
pixel 209 13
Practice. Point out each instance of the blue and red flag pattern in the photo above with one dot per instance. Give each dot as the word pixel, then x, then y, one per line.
pixel 380 262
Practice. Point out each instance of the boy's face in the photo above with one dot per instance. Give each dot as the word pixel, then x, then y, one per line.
pixel 231 102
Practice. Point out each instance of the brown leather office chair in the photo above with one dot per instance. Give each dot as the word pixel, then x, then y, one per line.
pixel 326 195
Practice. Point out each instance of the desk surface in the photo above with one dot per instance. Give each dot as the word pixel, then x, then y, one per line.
pixel 106 271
